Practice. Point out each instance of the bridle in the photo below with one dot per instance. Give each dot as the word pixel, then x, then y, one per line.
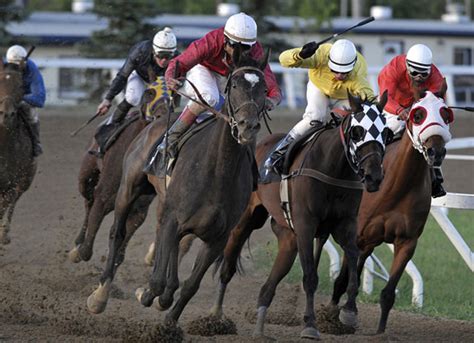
pixel 231 110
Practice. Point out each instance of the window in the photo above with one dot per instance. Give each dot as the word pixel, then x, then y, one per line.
pixel 462 56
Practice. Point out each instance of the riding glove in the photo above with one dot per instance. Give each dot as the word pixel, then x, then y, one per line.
pixel 308 49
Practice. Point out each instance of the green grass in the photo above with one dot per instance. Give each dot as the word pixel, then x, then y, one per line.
pixel 448 282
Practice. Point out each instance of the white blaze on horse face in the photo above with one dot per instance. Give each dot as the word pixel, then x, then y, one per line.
pixel 433 123
pixel 252 79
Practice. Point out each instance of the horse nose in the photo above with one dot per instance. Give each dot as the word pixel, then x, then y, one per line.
pixel 249 125
pixel 436 155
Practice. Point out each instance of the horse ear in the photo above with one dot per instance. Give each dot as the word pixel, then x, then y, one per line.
pixel 442 91
pixel 264 61
pixel 354 102
pixel 237 55
pixel 382 101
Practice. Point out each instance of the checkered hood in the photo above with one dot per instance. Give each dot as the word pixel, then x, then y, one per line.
pixel 373 123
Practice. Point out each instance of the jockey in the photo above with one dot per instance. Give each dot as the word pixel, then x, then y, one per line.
pixel 400 77
pixel 334 69
pixel 146 60
pixel 35 93
pixel 207 63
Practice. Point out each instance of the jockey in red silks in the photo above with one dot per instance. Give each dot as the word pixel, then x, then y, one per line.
pixel 207 63
pixel 400 78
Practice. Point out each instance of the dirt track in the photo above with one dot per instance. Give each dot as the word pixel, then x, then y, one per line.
pixel 43 295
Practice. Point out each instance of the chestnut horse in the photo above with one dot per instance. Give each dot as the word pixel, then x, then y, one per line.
pixel 324 193
pixel 17 165
pixel 397 213
pixel 99 179
pixel 210 187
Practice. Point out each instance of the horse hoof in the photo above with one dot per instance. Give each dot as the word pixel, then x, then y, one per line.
pixel 97 301
pixel 158 306
pixel 216 311
pixel 348 318
pixel 139 294
pixel 74 255
pixel 310 333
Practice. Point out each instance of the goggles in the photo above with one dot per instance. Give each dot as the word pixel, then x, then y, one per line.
pixel 233 44
pixel 337 72
pixel 164 55
pixel 415 72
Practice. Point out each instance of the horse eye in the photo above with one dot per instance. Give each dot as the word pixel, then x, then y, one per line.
pixel 446 114
pixel 387 136
pixel 357 133
pixel 418 115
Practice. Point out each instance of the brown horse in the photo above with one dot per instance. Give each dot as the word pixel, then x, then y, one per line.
pixel 99 179
pixel 17 165
pixel 398 212
pixel 324 193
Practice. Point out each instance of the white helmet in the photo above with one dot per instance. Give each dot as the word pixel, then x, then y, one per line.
pixel 342 56
pixel 419 57
pixel 241 28
pixel 16 54
pixel 164 40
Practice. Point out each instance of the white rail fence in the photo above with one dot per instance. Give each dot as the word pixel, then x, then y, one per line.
pixel 439 209
pixel 293 80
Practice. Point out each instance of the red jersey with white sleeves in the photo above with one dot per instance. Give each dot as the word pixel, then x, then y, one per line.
pixel 395 79
pixel 209 52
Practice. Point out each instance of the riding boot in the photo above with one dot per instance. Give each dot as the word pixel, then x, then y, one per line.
pixel 171 138
pixel 104 132
pixel 35 139
pixel 275 160
pixel 437 179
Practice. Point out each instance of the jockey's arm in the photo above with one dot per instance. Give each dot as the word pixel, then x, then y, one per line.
pixel 36 96
pixel 291 59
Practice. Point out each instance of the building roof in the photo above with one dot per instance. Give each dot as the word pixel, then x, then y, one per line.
pixel 69 27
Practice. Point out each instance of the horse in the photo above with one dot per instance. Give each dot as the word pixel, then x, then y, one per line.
pixel 220 157
pixel 17 164
pixel 325 182
pixel 398 212
pixel 99 179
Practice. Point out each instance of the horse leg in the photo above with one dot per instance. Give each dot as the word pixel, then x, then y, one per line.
pixel 403 253
pixel 7 207
pixel 184 246
pixel 284 260
pixel 206 256
pixel 167 242
pixel 88 178
pixel 128 192
pixel 252 219
pixel 310 279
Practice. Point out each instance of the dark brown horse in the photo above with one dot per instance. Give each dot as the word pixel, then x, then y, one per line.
pixel 209 189
pixel 398 212
pixel 212 177
pixel 324 193
pixel 17 165
pixel 99 179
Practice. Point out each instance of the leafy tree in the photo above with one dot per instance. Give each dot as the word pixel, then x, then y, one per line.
pixel 127 26
pixel 49 5
pixel 9 12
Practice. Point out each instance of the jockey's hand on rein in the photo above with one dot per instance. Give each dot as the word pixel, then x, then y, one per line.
pixel 269 104
pixel 308 49
pixel 104 107
pixel 174 84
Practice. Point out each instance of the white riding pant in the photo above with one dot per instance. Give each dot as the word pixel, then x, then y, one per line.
pixel 318 108
pixel 134 89
pixel 210 85
pixel 394 122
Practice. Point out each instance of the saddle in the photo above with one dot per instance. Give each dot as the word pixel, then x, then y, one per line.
pixel 295 147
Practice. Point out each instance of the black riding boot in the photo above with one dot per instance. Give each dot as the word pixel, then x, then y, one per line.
pixel 274 161
pixel 104 132
pixel 170 139
pixel 437 179
pixel 35 139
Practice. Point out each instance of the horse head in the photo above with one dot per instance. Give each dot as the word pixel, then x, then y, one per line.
pixel 365 135
pixel 11 90
pixel 156 99
pixel 428 125
pixel 245 95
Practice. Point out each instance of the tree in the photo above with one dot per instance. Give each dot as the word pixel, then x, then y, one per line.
pixel 9 12
pixel 127 26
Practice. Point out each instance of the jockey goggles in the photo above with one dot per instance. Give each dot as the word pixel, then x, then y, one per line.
pixel 233 44
pixel 164 55
pixel 414 72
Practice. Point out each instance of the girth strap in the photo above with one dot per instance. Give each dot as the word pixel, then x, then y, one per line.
pixel 327 179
